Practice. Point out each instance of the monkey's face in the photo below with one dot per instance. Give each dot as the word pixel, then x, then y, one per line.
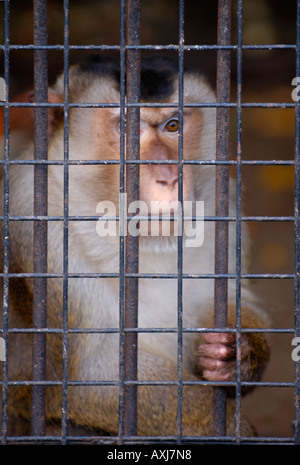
pixel 95 135
pixel 159 203
pixel 159 144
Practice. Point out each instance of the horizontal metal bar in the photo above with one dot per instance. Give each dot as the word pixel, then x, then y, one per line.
pixel 150 162
pixel 152 275
pixel 148 330
pixel 152 105
pixel 203 162
pixel 105 47
pixel 186 440
pixel 151 217
pixel 269 384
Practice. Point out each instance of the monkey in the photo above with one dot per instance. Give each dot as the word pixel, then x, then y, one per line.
pixel 93 302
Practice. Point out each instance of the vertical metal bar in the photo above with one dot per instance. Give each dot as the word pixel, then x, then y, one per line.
pixel 121 207
pixel 296 235
pixel 133 75
pixel 222 195
pixel 66 225
pixel 40 208
pixel 6 221
pixel 180 200
pixel 238 220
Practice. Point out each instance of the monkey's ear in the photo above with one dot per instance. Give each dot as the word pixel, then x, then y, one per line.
pixel 53 97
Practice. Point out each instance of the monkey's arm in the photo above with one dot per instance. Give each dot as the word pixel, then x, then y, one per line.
pixel 218 351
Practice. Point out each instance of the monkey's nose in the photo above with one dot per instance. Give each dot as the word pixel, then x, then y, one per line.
pixel 170 182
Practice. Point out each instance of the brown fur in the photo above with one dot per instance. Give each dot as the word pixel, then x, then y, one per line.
pixel 93 303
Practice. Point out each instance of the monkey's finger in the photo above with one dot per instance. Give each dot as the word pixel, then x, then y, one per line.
pixel 213 364
pixel 219 338
pixel 217 375
pixel 217 351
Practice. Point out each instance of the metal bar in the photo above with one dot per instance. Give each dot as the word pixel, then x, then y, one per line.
pixel 153 383
pixel 110 440
pixel 122 215
pixel 65 227
pixel 154 105
pixel 38 423
pixel 193 47
pixel 222 195
pixel 153 162
pixel 279 219
pixel 297 235
pixel 180 241
pixel 238 222
pixel 6 221
pixel 153 276
pixel 149 329
pixel 133 75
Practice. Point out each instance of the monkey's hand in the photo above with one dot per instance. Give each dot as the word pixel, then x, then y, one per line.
pixel 217 357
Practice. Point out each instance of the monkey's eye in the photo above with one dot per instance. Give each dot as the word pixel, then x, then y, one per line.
pixel 172 125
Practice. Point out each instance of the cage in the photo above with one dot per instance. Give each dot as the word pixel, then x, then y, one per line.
pixel 253 64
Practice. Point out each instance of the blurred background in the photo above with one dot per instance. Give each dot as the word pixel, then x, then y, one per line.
pixel 268 134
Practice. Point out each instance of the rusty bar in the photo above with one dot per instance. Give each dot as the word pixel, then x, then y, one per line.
pixel 38 423
pixel 222 195
pixel 180 242
pixel 238 264
pixel 6 225
pixel 296 423
pixel 133 73
pixel 64 419
pixel 122 215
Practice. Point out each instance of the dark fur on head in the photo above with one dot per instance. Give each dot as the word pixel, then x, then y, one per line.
pixel 157 73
